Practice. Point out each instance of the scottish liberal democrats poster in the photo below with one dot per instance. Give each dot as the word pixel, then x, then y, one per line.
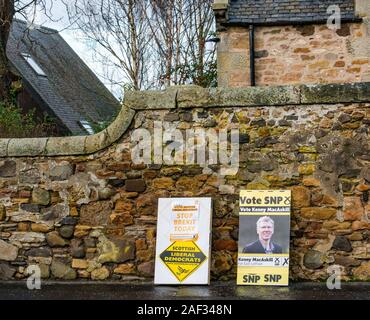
pixel 183 241
pixel 264 233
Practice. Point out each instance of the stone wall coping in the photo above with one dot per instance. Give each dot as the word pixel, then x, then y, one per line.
pixel 185 97
pixel 68 146
pixel 220 4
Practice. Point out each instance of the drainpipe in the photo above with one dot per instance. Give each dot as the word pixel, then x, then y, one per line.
pixel 252 56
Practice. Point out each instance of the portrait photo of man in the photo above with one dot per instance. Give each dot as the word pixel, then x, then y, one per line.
pixel 264 244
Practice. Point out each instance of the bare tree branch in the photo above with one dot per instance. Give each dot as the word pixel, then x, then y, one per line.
pixel 154 43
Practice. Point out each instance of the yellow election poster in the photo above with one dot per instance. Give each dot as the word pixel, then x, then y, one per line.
pixel 183 241
pixel 264 237
pixel 182 259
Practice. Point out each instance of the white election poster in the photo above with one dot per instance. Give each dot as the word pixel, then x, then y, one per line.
pixel 183 241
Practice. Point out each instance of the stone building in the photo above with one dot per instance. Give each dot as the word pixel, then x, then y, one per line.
pixel 56 82
pixel 277 42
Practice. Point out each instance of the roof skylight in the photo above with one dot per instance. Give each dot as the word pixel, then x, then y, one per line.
pixel 87 126
pixel 33 64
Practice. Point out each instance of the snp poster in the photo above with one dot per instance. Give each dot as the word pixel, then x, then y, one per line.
pixel 183 241
pixel 264 233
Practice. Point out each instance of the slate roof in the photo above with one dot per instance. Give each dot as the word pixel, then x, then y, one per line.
pixel 286 11
pixel 70 90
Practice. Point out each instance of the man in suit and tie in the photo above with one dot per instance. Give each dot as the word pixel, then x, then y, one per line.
pixel 264 245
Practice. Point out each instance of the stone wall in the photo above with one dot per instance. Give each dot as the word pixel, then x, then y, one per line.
pixel 295 55
pixel 81 209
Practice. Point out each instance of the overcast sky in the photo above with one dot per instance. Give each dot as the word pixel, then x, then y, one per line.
pixel 73 37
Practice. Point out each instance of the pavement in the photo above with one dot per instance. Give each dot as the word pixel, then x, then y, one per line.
pixel 147 291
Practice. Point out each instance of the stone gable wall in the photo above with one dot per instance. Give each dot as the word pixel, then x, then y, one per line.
pixel 81 209
pixel 287 55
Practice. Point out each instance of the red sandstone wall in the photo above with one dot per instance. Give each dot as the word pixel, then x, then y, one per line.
pixel 295 55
